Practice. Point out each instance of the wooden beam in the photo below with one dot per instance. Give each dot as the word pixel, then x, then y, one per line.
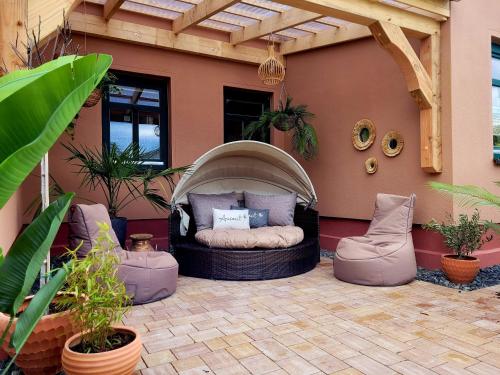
pixel 430 118
pixel 200 12
pixel 439 7
pixel 325 38
pixel 13 19
pixel 423 81
pixel 392 38
pixel 366 12
pixel 273 24
pixel 161 38
pixel 50 13
pixel 110 8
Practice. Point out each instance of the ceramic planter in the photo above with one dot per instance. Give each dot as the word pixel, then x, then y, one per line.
pixel 122 361
pixel 42 352
pixel 460 271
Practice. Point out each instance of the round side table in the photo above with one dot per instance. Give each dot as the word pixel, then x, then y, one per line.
pixel 141 242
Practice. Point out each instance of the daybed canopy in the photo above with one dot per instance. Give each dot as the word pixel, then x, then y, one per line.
pixel 245 166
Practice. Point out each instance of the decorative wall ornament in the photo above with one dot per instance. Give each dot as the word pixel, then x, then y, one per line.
pixel 271 71
pixel 371 165
pixel 392 143
pixel 363 134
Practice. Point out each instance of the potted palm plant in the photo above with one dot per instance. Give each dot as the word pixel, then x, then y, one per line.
pixel 100 347
pixel 123 178
pixel 463 237
pixel 35 122
pixel 289 118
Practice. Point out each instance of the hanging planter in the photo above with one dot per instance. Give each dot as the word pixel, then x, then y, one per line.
pixel 271 71
pixel 289 118
pixel 93 98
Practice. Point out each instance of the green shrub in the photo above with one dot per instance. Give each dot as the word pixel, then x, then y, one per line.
pixel 463 236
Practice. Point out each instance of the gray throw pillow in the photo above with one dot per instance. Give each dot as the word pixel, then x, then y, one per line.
pixel 281 207
pixel 258 217
pixel 202 205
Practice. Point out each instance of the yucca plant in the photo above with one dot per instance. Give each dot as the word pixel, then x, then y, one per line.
pixel 35 107
pixel 288 118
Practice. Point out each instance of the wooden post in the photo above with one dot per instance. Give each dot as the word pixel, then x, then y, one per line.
pixel 13 19
pixel 422 78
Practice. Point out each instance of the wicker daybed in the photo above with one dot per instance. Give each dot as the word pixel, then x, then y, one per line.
pixel 244 166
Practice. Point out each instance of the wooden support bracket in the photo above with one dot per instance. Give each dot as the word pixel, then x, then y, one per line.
pixel 422 78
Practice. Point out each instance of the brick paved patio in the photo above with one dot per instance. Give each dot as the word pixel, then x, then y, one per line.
pixel 315 324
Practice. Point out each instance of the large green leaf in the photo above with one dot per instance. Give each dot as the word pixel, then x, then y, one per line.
pixel 35 108
pixel 22 263
pixel 36 309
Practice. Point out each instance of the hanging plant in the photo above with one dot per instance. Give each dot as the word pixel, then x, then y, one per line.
pixel 288 118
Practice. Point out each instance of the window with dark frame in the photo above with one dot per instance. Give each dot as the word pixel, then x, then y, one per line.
pixel 241 107
pixel 135 111
pixel 495 63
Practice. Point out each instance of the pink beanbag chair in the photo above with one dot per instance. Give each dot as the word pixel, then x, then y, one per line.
pixel 384 256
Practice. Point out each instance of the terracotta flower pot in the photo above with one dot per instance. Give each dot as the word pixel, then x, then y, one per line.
pixel 460 271
pixel 121 361
pixel 42 352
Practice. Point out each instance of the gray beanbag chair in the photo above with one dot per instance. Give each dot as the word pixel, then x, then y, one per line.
pixel 385 255
pixel 148 276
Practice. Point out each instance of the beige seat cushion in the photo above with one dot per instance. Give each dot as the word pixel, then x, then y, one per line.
pixel 264 237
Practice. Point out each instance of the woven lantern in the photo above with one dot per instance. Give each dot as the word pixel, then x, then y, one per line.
pixel 271 71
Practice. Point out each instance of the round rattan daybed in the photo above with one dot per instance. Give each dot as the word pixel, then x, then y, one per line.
pixel 244 166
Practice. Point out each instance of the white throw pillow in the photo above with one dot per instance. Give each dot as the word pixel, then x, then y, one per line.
pixel 231 219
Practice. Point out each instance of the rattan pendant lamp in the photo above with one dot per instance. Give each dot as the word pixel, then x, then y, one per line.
pixel 271 71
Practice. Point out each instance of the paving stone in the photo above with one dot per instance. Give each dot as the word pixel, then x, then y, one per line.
pixel 158 358
pixel 190 350
pixel 308 351
pixel 329 364
pixel 273 349
pixel 368 366
pixel 206 335
pixel 411 368
pixel 190 363
pixel 243 351
pixel 297 365
pixel 219 359
pixel 259 364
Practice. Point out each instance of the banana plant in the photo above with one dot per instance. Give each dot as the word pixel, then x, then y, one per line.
pixel 36 106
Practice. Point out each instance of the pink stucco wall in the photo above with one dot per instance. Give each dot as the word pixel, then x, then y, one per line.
pixel 344 84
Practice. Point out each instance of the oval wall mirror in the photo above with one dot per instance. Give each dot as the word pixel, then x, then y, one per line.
pixel 371 165
pixel 392 143
pixel 363 134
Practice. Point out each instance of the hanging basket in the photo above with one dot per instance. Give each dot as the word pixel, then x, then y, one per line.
pixel 271 71
pixel 93 98
pixel 287 124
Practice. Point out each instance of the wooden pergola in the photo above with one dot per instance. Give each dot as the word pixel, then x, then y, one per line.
pixel 294 25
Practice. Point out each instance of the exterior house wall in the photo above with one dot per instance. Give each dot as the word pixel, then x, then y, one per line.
pixel 196 111
pixel 473 25
pixel 342 85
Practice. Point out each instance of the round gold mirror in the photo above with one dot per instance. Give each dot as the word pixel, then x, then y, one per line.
pixel 363 134
pixel 392 143
pixel 371 165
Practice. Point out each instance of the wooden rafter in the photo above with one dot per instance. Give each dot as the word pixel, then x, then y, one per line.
pixel 49 13
pixel 439 7
pixel 422 78
pixel 273 24
pixel 366 12
pixel 110 8
pixel 166 39
pixel 324 38
pixel 200 12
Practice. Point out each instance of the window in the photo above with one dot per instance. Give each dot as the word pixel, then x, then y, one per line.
pixel 496 101
pixel 241 107
pixel 135 111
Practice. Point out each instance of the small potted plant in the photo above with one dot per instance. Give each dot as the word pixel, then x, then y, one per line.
pixel 463 237
pixel 101 346
pixel 289 118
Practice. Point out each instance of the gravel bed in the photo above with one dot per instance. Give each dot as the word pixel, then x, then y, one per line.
pixel 488 276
